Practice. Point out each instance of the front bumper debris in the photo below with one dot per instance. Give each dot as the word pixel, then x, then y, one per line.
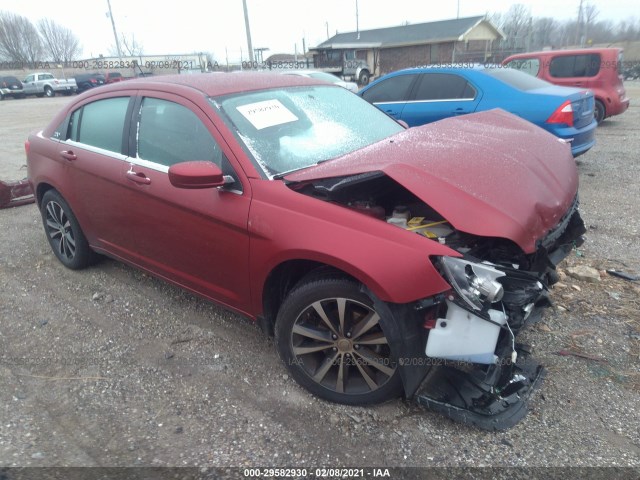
pixel 14 194
pixel 491 398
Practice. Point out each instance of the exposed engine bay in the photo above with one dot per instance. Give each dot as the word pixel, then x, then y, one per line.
pixel 481 375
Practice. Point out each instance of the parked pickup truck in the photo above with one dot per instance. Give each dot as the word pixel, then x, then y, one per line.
pixel 40 84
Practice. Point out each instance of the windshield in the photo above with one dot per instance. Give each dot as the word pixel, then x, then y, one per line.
pixel 327 77
pixel 288 129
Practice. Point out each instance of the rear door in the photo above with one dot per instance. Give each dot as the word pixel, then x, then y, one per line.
pixel 197 238
pixel 440 95
pixel 578 70
pixel 391 94
pixel 94 147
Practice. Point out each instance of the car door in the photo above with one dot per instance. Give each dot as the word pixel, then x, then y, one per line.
pixel 94 146
pixel 440 95
pixel 575 70
pixel 197 238
pixel 390 95
pixel 29 85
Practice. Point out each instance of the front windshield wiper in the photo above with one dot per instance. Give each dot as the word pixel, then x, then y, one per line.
pixel 280 175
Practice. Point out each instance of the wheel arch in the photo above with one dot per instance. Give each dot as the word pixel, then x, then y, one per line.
pixel 284 277
pixel 41 189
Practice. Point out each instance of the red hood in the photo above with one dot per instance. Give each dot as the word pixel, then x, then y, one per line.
pixel 489 174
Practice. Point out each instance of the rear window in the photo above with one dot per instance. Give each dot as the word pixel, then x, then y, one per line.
pixel 516 78
pixel 569 66
pixel 620 62
pixel 526 65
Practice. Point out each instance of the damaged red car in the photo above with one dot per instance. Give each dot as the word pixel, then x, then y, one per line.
pixel 385 261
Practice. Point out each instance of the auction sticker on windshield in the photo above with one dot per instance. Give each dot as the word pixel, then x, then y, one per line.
pixel 268 113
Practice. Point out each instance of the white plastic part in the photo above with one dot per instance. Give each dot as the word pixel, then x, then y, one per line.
pixel 464 336
pixel 398 221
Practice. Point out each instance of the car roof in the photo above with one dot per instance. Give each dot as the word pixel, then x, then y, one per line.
pixel 219 83
pixel 548 53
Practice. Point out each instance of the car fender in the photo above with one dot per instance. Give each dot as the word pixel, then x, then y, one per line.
pixel 392 262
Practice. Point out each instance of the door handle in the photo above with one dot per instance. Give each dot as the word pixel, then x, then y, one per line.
pixel 68 155
pixel 138 177
pixel 458 111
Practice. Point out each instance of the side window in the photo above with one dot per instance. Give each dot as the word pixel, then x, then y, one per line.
pixel 587 65
pixel 394 89
pixel 562 67
pixel 170 133
pixel 444 86
pixel 569 66
pixel 100 123
pixel 46 76
pixel 526 65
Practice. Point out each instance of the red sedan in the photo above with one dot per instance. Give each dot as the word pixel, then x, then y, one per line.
pixel 386 261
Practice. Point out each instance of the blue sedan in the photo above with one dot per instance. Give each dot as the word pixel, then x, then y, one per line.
pixel 427 94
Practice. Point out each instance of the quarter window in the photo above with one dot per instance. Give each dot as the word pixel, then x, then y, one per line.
pixel 526 65
pixel 444 86
pixel 170 133
pixel 100 123
pixel 394 89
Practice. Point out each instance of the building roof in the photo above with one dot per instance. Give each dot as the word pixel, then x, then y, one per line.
pixel 412 34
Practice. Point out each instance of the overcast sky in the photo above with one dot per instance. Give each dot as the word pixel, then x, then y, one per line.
pixel 187 26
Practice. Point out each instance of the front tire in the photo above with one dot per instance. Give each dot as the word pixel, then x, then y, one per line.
pixel 64 234
pixel 330 337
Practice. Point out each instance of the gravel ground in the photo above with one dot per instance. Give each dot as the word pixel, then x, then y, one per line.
pixel 111 367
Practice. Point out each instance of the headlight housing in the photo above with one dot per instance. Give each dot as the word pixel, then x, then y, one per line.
pixel 475 283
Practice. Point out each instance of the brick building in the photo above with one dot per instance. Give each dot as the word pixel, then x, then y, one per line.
pixel 387 49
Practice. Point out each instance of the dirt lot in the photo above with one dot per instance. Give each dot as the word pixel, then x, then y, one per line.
pixel 110 367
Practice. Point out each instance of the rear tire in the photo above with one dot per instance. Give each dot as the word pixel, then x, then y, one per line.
pixel 600 112
pixel 363 79
pixel 48 91
pixel 64 234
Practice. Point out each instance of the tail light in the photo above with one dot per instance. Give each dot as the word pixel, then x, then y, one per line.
pixel 563 114
pixel 27 147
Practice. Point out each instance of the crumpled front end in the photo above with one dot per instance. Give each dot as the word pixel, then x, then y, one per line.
pixel 480 374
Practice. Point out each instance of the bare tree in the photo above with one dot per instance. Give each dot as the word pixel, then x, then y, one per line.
pixel 59 42
pixel 517 26
pixel 589 14
pixel 19 39
pixel 543 32
pixel 130 46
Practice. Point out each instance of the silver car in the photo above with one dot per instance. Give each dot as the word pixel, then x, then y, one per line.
pixel 327 77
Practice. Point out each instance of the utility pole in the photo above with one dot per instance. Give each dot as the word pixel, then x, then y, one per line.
pixel 246 26
pixel 458 14
pixel 579 25
pixel 115 33
pixel 357 21
pixel 327 25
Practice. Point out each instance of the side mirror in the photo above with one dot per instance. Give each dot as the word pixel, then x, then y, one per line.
pixel 198 174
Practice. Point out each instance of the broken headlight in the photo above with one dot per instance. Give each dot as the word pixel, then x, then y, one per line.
pixel 476 283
